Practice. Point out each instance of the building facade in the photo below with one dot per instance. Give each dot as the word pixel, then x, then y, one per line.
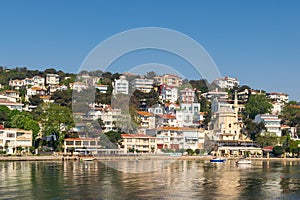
pixel 14 140
pixel 139 143
pixel 142 84
pixel 121 86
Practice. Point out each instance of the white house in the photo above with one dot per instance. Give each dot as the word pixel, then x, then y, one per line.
pixel 177 137
pixel 227 82
pixel 169 94
pixel 102 88
pixel 12 138
pixel 52 79
pixel 121 86
pixel 272 123
pixel 278 97
pixel 16 84
pixel 143 84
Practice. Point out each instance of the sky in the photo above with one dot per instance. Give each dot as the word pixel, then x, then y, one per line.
pixel 255 41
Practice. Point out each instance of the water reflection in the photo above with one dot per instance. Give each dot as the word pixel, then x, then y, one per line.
pixel 179 180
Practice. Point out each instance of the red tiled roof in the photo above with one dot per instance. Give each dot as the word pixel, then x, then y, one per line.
pixel 144 113
pixel 268 148
pixel 167 116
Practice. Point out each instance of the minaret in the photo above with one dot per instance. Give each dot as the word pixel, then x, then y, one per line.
pixel 236 106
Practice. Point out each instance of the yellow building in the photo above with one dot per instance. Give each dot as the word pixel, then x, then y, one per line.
pixel 138 142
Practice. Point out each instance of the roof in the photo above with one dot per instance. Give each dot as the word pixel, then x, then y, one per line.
pixel 144 113
pixel 268 148
pixel 136 136
pixel 10 91
pixel 174 104
pixel 167 116
pixel 277 93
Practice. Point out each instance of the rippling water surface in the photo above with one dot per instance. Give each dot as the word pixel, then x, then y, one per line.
pixel 179 180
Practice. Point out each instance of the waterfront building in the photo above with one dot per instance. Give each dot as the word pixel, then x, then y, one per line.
pixel 82 145
pixel 142 84
pixel 177 137
pixel 13 140
pixel 121 86
pixel 139 143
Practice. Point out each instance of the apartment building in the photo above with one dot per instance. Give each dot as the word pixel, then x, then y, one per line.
pixel 13 140
pixel 140 143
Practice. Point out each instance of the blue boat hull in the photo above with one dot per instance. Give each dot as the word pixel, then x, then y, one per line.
pixel 217 161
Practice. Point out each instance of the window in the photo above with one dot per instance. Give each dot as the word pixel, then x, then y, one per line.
pixel 10 135
pixel 77 143
pixel 85 143
pixel 93 143
pixel 229 125
pixel 70 143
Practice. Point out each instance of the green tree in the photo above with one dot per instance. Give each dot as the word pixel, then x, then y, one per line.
pixel 267 139
pixel 24 120
pixel 56 120
pixel 190 152
pixel 257 104
pixel 63 97
pixel 290 114
pixel 35 100
pixel 278 151
pixel 253 129
pixel 201 85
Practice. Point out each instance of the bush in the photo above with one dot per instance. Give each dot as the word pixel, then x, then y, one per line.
pixel 197 151
pixel 278 151
pixel 190 152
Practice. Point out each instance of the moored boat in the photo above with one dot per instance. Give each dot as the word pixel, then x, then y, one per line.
pixel 244 162
pixel 217 160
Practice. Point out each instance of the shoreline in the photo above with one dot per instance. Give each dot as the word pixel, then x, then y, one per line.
pixel 134 157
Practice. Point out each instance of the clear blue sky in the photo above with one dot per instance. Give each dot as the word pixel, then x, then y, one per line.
pixel 256 41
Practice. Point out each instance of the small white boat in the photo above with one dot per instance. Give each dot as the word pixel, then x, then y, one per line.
pixel 217 160
pixel 244 162
pixel 88 159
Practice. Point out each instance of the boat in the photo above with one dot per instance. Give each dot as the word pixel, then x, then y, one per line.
pixel 217 160
pixel 88 159
pixel 244 162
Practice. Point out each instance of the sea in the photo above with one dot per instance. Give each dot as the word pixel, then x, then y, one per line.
pixel 179 179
